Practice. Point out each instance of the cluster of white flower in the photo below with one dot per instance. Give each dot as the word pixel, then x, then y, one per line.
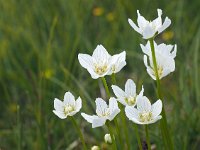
pixel 137 106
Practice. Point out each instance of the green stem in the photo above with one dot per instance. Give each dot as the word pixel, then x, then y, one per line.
pixel 125 126
pixel 147 137
pixel 118 132
pixel 137 136
pixel 114 145
pixel 164 128
pixel 113 79
pixel 106 86
pixel 79 132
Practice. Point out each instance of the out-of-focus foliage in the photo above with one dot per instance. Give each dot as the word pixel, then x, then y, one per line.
pixel 39 43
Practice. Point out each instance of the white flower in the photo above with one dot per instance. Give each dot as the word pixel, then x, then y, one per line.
pixel 164 58
pixel 145 112
pixel 95 147
pixel 108 139
pixel 68 107
pixel 104 112
pixel 101 63
pixel 148 29
pixel 127 97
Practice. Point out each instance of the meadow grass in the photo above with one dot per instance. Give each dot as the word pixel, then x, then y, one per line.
pixel 39 44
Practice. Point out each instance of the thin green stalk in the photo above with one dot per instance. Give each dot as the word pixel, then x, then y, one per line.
pixel 114 145
pixel 147 137
pixel 164 128
pixel 113 79
pixel 79 132
pixel 106 86
pixel 125 126
pixel 118 132
pixel 137 136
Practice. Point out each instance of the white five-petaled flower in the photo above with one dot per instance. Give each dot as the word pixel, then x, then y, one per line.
pixel 129 96
pixel 68 107
pixel 164 58
pixel 145 113
pixel 101 63
pixel 148 29
pixel 104 112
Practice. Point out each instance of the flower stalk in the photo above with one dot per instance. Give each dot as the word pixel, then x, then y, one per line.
pixel 79 132
pixel 164 128
pixel 147 137
pixel 106 86
pixel 137 136
pixel 124 124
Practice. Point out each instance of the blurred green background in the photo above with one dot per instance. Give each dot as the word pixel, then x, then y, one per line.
pixel 39 44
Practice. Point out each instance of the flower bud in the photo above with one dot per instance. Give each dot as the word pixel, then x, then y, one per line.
pixel 108 139
pixel 95 147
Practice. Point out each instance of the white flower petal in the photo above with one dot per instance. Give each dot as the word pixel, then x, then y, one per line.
pixel 113 104
pixel 149 69
pixel 113 114
pixel 142 22
pixel 72 113
pixel 89 118
pixel 146 49
pixel 143 104
pixel 98 122
pixel 154 120
pixel 165 25
pixel 134 26
pixel 118 91
pixel 60 114
pixel 141 92
pixel 58 105
pixel 158 21
pixel 130 88
pixel 69 99
pixel 100 106
pixel 137 122
pixel 148 32
pixel 131 112
pixel 100 54
pixel 78 104
pixel 93 74
pixel 122 101
pixel 85 60
pixel 118 62
pixel 156 108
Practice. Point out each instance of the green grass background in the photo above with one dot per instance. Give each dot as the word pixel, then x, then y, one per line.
pixel 39 44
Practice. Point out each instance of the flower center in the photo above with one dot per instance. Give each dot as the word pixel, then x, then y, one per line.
pixel 145 117
pixel 67 109
pixel 130 100
pixel 105 112
pixel 100 69
pixel 160 71
pixel 152 25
